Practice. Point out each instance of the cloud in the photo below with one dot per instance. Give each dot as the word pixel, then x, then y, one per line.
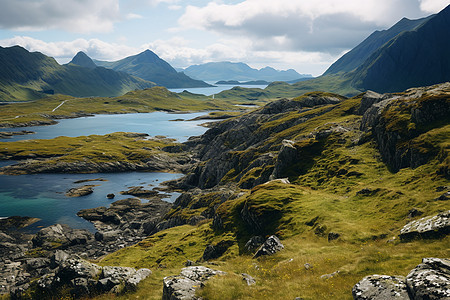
pixel 64 51
pixel 433 6
pixel 82 16
pixel 327 26
pixel 131 16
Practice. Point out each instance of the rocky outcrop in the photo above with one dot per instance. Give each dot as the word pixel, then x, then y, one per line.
pixel 140 192
pixel 158 162
pixel 271 246
pixel 126 221
pixel 60 237
pixel 9 134
pixel 429 280
pixel 427 228
pixel 380 287
pixel 80 191
pixel 396 121
pixel 183 286
pixel 80 277
pixel 239 146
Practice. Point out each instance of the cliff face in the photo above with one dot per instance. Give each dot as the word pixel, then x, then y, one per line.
pixel 409 127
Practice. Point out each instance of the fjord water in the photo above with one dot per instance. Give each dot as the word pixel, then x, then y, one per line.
pixel 155 123
pixel 43 195
pixel 209 91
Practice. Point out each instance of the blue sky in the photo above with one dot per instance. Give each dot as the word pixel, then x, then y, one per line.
pixel 306 35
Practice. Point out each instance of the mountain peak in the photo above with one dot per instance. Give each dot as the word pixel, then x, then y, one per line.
pixel 81 59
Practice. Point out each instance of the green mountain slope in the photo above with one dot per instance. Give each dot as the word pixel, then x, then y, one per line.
pixel 27 76
pixel 148 66
pixel 215 71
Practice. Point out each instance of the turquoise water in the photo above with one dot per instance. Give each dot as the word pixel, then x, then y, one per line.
pixel 43 195
pixel 155 123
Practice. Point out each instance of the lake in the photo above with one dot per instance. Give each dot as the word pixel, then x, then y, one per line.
pixel 155 123
pixel 215 89
pixel 43 195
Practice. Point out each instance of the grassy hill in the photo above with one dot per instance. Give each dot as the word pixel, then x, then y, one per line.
pixel 341 182
pixel 29 76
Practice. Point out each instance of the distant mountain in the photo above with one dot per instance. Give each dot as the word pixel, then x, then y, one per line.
pixel 216 71
pixel 148 66
pixel 81 59
pixel 29 75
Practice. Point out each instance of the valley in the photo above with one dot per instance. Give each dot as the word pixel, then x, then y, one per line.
pixel 119 181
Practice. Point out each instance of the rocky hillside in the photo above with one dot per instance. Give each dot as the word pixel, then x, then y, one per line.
pixel 306 197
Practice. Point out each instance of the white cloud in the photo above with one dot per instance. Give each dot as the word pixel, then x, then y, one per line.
pixel 64 51
pixel 132 16
pixel 156 2
pixel 433 6
pixel 302 25
pixel 83 16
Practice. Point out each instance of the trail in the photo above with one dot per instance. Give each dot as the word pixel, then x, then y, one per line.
pixel 59 105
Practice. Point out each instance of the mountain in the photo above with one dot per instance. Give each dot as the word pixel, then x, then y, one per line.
pixel 358 55
pixel 412 53
pixel 81 59
pixel 28 75
pixel 215 71
pixel 413 58
pixel 148 66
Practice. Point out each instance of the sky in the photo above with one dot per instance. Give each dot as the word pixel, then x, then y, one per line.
pixel 305 35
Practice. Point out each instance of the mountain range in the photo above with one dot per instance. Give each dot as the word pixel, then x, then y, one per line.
pixel 148 66
pixel 28 75
pixel 215 71
pixel 411 53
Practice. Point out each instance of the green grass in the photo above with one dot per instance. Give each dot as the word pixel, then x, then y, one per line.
pixel 116 147
pixel 142 101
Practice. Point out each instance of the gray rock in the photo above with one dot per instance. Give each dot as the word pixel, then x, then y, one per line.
pixel 248 279
pixel 331 275
pixel 80 191
pixel 271 246
pixel 58 258
pixel 428 227
pixel 60 236
pixel 254 243
pixel 183 286
pixel 380 287
pixel 430 280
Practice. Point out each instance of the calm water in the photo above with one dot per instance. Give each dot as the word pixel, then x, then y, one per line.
pixel 43 195
pixel 155 123
pixel 216 89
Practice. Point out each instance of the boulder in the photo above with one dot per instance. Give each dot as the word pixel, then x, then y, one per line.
pixel 60 236
pixel 254 243
pixel 271 246
pixel 380 287
pixel 430 280
pixel 183 286
pixel 428 227
pixel 248 279
pixel 110 196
